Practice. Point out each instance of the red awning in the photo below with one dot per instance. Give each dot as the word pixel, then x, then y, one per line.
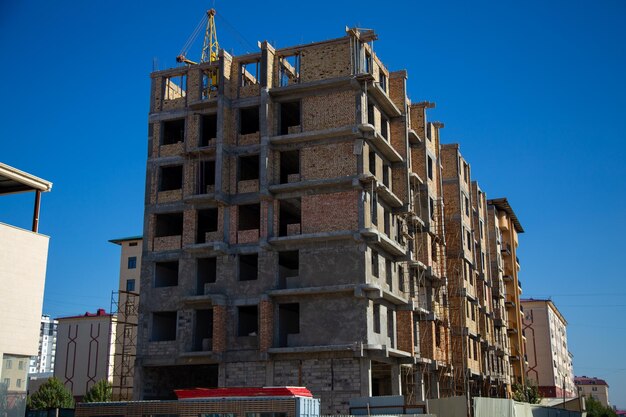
pixel 183 394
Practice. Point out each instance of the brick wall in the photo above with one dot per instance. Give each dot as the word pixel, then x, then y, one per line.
pixel 330 212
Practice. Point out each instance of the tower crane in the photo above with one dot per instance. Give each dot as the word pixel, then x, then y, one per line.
pixel 210 47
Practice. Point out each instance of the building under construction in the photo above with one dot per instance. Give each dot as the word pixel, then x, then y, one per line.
pixel 297 233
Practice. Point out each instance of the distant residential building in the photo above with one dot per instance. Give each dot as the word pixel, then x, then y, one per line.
pixel 23 261
pixel 44 361
pixel 84 345
pixel 127 302
pixel 593 387
pixel 549 360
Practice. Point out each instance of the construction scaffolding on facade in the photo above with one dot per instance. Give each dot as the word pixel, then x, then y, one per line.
pixel 124 305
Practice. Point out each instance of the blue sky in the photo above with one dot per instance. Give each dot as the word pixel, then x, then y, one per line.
pixel 534 91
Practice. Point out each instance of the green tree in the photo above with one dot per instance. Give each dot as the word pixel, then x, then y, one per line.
pixel 526 393
pixel 596 409
pixel 51 394
pixel 100 392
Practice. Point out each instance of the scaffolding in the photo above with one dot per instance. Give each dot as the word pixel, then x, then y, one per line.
pixel 124 305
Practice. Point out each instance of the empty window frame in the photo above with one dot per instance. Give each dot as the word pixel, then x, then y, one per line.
pixel 289 116
pixel 372 162
pixel 430 167
pixel 467 205
pixel 171 178
pixel 376 321
pixel 175 87
pixel 203 330
pixel 389 273
pixel 375 208
pixel 289 165
pixel 248 167
pixel 209 83
pixel 370 114
pixel 437 335
pixel 288 70
pixel 431 207
pixel 130 285
pixel 206 177
pixel 248 321
pixel 382 81
pixel 249 73
pixel 288 265
pixel 386 171
pixel 465 171
pixel 249 267
pixel 469 240
pixel 132 262
pixel 390 327
pixel 384 127
pixel 168 224
pixel 374 260
pixel 288 322
pixel 249 216
pixel 173 131
pixel 368 62
pixel 207 223
pixel 249 120
pixel 163 326
pixel 208 129
pixel 206 273
pixel 289 214
pixel 166 274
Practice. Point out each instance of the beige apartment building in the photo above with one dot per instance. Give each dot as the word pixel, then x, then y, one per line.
pixel 304 226
pixel 593 387
pixel 549 360
pixel 23 261
pixel 125 307
pixel 84 345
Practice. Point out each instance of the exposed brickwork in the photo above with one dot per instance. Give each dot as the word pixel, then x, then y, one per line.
pixel 266 325
pixel 330 212
pixel 329 111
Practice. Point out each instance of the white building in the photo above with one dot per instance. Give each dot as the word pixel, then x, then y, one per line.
pixel 44 361
pixel 23 262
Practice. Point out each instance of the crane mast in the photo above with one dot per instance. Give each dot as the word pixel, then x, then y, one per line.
pixel 210 47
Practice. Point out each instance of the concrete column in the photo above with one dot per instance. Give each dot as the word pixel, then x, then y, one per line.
pixel 420 386
pixel 434 385
pixel 366 377
pixel 396 380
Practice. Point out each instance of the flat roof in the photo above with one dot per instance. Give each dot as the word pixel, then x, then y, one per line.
pixel 503 204
pixel 12 180
pixel 121 240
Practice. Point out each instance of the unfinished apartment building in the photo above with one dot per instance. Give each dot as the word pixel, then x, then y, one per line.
pixel 301 222
pixel 481 324
pixel 293 229
pixel 509 228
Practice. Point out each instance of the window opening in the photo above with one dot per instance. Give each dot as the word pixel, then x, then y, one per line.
pixel 289 217
pixel 163 326
pixel 288 266
pixel 289 70
pixel 209 83
pixel 173 131
pixel 208 129
pixel 206 177
pixel 171 178
pixel 169 224
pixel 175 87
pixel 248 321
pixel 206 273
pixel 203 330
pixel 249 73
pixel 290 117
pixel 248 167
pixel 207 223
pixel 249 216
pixel 166 274
pixel 249 267
pixel 289 166
pixel 288 322
pixel 249 120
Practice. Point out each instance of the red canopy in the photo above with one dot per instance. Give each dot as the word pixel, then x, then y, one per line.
pixel 243 392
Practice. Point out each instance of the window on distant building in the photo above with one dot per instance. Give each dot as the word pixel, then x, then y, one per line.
pixel 130 285
pixel 132 262
pixel 9 364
